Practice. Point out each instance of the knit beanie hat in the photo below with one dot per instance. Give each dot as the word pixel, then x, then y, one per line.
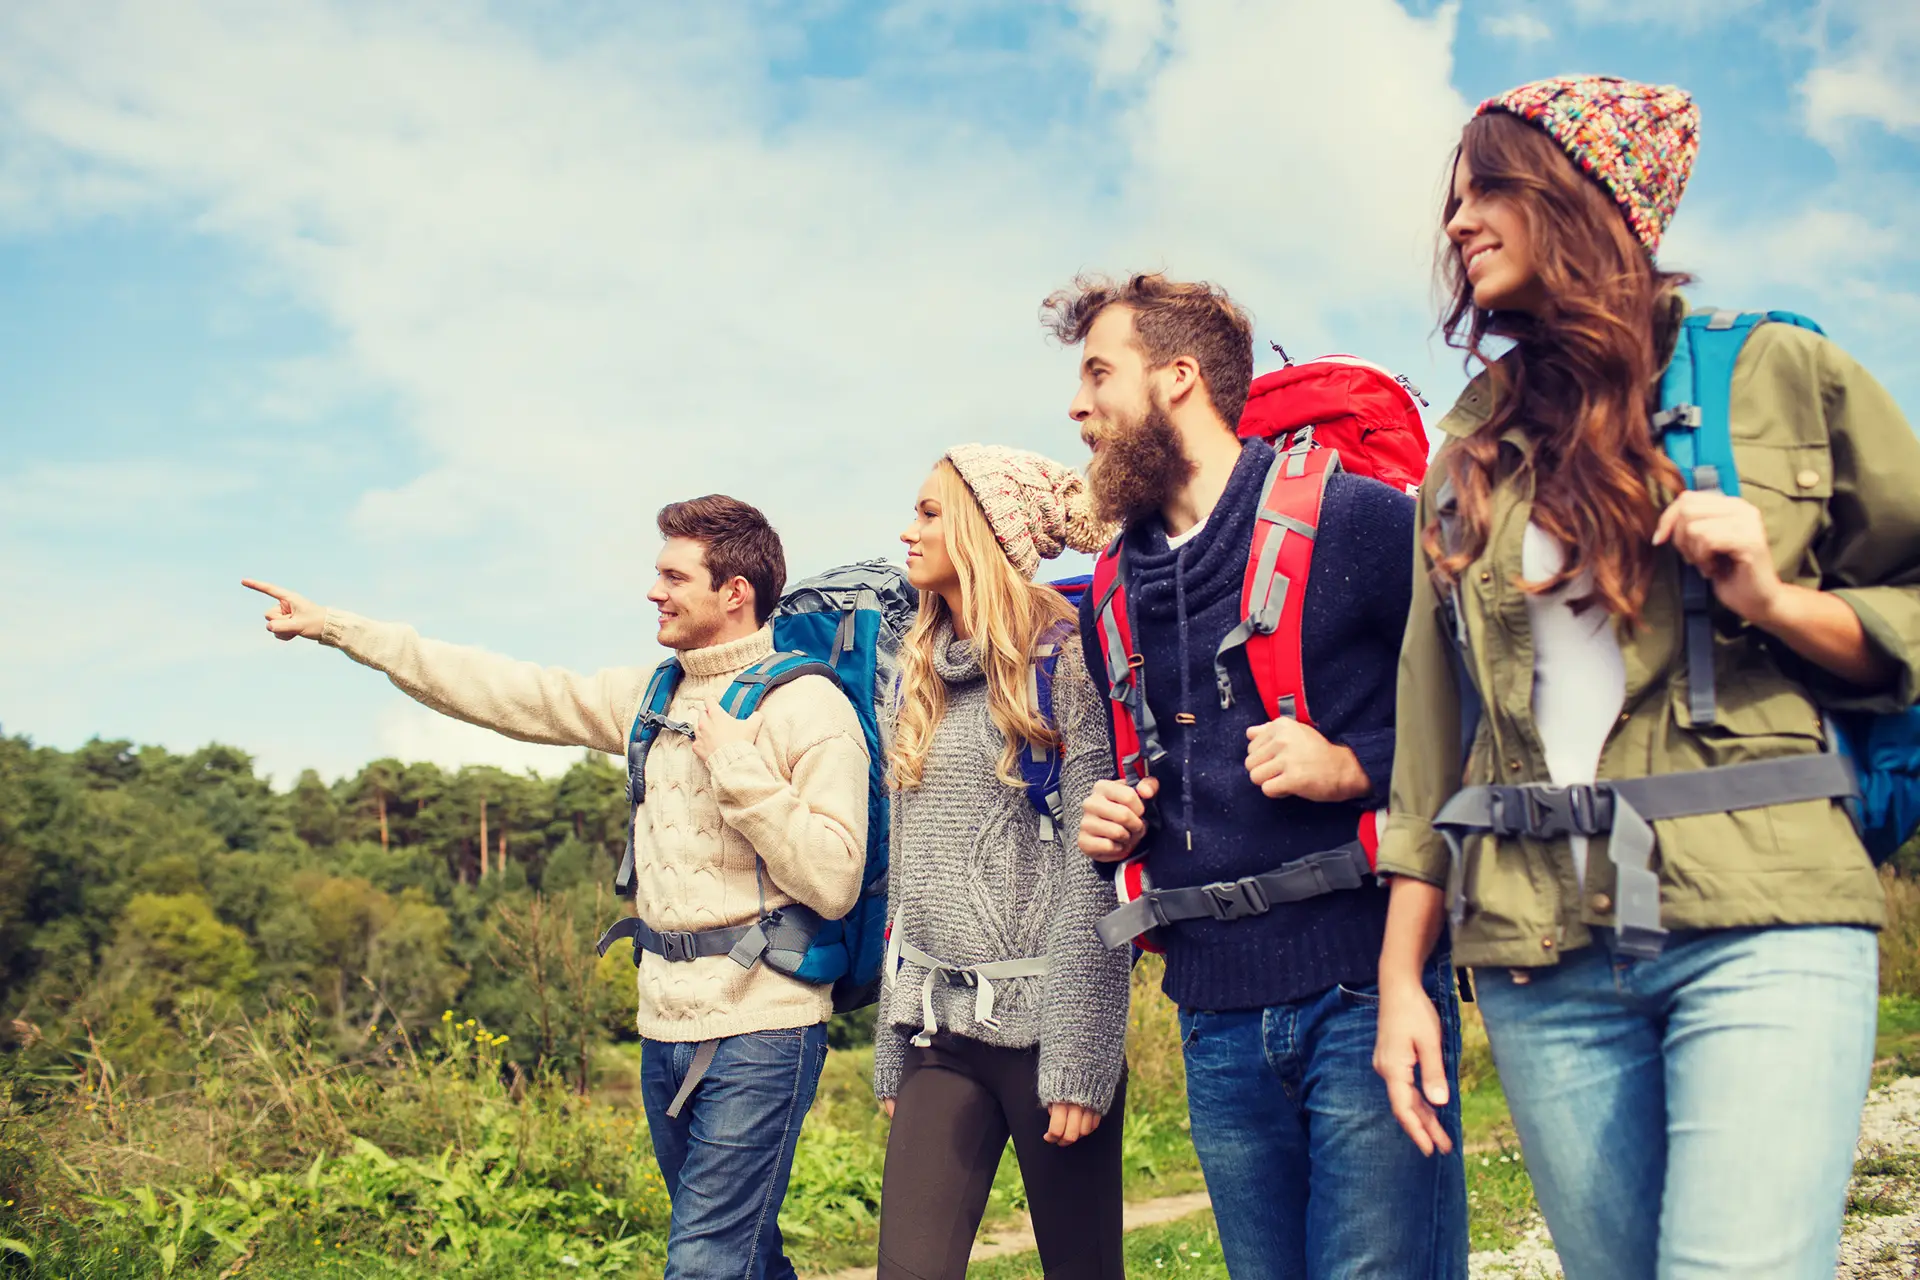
pixel 1636 140
pixel 1035 506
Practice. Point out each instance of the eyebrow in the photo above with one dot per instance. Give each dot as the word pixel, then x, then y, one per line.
pixel 1092 362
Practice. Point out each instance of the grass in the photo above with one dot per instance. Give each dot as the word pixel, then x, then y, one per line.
pixel 431 1156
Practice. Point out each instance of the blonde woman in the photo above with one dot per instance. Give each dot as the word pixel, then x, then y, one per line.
pixel 1003 1014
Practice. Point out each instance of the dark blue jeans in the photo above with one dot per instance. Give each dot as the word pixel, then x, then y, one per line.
pixel 1310 1175
pixel 725 1160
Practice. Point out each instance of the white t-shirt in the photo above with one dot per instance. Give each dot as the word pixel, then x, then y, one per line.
pixel 1579 676
pixel 1177 540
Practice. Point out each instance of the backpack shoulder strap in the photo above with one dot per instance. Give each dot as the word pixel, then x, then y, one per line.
pixel 1446 505
pixel 1039 765
pixel 743 696
pixel 1696 431
pixel 652 717
pixel 1274 592
pixel 1136 738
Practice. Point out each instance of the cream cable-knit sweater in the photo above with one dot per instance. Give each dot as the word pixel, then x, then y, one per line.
pixel 796 796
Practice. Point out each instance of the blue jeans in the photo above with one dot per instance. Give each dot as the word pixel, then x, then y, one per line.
pixel 725 1160
pixel 1693 1115
pixel 1310 1175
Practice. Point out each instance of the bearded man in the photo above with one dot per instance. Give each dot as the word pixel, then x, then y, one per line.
pixel 1309 1173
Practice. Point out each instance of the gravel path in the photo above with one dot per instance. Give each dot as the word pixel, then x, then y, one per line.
pixel 1882 1240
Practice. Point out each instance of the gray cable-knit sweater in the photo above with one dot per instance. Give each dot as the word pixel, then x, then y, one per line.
pixel 972 882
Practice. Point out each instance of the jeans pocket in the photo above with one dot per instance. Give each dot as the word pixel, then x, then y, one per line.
pixel 1367 997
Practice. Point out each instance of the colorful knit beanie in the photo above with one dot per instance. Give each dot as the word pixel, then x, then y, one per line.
pixel 1035 506
pixel 1636 140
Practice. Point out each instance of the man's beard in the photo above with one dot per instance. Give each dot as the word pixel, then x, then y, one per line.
pixel 1138 468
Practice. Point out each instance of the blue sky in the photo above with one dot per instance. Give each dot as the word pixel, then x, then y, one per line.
pixel 423 310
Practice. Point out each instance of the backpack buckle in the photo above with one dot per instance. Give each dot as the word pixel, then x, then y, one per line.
pixel 1236 899
pixel 1548 812
pixel 675 945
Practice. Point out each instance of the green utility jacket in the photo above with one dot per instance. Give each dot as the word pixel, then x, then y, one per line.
pixel 1827 457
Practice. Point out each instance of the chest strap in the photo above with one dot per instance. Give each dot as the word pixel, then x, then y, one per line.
pixel 1626 808
pixel 674 944
pixel 1328 871
pixel 980 976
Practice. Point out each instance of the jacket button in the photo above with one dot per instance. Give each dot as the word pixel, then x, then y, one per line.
pixel 1546 944
pixel 1486 575
pixel 1513 765
pixel 1625 716
pixel 1600 903
pixel 1807 479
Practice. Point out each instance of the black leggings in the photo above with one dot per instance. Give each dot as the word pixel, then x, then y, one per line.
pixel 959 1102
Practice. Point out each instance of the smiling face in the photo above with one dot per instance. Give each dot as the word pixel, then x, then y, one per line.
pixel 930 565
pixel 1491 234
pixel 693 612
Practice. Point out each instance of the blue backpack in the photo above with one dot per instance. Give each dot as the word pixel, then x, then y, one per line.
pixel 844 624
pixel 1695 395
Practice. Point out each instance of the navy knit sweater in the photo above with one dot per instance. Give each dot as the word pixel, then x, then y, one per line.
pixel 1182 603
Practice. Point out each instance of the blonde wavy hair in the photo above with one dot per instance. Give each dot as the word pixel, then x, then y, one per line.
pixel 1003 613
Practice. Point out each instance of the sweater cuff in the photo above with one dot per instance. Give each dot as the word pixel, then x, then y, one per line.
pixel 338 624
pixel 1090 1089
pixel 1373 748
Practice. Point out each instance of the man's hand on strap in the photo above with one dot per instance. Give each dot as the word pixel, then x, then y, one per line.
pixel 1287 758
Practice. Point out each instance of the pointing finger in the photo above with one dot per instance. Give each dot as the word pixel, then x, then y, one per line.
pixel 265 589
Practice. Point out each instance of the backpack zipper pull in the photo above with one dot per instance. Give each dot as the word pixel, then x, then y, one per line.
pixel 1412 390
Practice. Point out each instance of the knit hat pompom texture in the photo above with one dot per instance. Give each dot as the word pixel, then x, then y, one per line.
pixel 1636 140
pixel 1036 507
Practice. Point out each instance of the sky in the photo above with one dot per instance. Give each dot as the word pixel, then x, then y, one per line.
pixel 424 309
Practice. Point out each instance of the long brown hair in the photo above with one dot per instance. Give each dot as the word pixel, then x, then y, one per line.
pixel 1005 616
pixel 1578 379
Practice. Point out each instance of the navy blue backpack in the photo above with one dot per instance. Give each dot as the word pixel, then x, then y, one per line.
pixel 1695 396
pixel 845 624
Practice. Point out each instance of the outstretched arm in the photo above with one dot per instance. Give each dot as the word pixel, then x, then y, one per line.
pixel 519 699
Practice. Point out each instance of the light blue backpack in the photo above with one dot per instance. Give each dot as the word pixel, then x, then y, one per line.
pixel 1695 396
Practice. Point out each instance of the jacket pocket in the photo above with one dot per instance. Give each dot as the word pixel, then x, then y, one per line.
pixel 1790 485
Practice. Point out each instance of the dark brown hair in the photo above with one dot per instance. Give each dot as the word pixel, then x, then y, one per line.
pixel 1171 319
pixel 739 544
pixel 1578 380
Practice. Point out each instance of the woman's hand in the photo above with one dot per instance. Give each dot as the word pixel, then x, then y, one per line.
pixel 1070 1123
pixel 1726 540
pixel 1408 1036
pixel 886 1105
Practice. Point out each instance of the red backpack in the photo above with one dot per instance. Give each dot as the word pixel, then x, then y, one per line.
pixel 1335 413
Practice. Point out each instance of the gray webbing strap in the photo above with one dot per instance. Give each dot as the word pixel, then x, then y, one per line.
pixel 1627 808
pixel 980 976
pixel 696 1071
pixel 676 945
pixel 1318 873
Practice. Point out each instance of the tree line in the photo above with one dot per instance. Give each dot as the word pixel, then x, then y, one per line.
pixel 147 895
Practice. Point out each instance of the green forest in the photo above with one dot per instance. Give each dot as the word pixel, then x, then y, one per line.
pixel 358 1029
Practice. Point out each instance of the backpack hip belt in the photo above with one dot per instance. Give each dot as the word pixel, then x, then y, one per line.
pixel 979 976
pixel 784 932
pixel 1329 871
pixel 1627 808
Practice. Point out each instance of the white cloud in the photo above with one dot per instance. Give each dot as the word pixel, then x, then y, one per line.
pixel 599 270
pixel 1867 64
pixel 1520 26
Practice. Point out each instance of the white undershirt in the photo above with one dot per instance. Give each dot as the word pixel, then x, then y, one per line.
pixel 1177 540
pixel 1579 676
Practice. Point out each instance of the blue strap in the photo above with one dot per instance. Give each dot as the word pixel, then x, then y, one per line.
pixel 1040 767
pixel 646 727
pixel 1695 422
pixel 743 696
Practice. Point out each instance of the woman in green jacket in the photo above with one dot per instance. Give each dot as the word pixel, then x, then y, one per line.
pixel 1677 974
